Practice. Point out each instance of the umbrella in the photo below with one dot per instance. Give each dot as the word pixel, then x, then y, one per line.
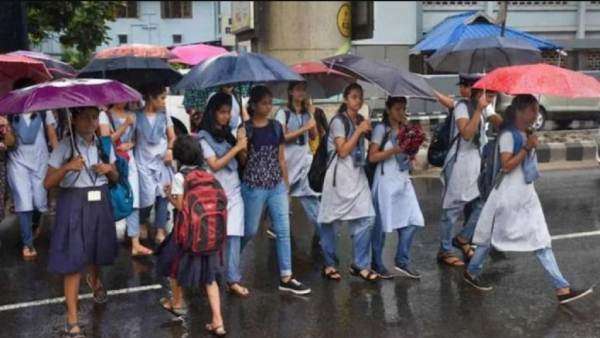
pixel 135 49
pixel 392 80
pixel 195 54
pixel 233 68
pixel 321 81
pixel 541 79
pixel 57 68
pixel 134 71
pixel 15 67
pixel 483 54
pixel 67 93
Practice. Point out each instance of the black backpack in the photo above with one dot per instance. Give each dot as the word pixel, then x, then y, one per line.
pixel 321 159
pixel 372 166
pixel 441 141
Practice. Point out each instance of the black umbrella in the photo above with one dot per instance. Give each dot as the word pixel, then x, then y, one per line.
pixel 482 55
pixel 134 71
pixel 391 79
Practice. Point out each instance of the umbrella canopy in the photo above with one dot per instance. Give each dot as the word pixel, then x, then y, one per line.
pixel 134 71
pixel 482 55
pixel 67 93
pixel 321 81
pixel 57 68
pixel 542 79
pixel 473 25
pixel 233 68
pixel 392 80
pixel 15 67
pixel 195 54
pixel 135 49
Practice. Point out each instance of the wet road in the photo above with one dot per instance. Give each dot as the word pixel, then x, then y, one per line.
pixel 440 305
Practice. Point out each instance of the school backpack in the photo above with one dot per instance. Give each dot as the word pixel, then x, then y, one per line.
pixel 121 195
pixel 491 164
pixel 322 160
pixel 201 224
pixel 372 166
pixel 441 141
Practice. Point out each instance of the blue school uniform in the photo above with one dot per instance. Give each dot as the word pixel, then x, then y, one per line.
pixel 84 232
pixel 27 164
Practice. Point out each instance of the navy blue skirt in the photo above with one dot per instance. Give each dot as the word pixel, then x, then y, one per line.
pixel 190 270
pixel 84 232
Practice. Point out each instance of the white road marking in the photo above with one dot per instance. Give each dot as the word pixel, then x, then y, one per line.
pixel 57 300
pixel 576 235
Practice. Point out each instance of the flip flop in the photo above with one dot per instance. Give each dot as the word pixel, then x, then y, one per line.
pixel 444 259
pixel 142 253
pixel 100 295
pixel 69 327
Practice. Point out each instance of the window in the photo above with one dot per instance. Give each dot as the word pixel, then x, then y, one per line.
pixel 128 9
pixel 175 9
pixel 122 38
pixel 177 38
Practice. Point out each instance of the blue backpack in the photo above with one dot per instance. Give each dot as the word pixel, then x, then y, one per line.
pixel 121 195
pixel 491 164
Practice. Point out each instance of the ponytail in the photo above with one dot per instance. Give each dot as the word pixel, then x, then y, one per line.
pixel 353 86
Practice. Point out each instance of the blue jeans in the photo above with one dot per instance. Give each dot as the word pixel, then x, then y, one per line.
pixel 310 204
pixel 449 218
pixel 405 239
pixel 133 223
pixel 25 225
pixel 277 203
pixel 545 256
pixel 360 230
pixel 161 212
pixel 234 247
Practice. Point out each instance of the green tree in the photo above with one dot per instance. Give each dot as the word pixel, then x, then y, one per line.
pixel 80 25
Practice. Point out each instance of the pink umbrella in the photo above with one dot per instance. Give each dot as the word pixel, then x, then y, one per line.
pixel 195 54
pixel 15 67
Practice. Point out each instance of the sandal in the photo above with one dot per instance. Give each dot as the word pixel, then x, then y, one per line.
pixel 465 248
pixel 70 327
pixel 166 304
pixel 370 277
pixel 29 253
pixel 218 331
pixel 142 252
pixel 449 259
pixel 331 275
pixel 237 289
pixel 100 295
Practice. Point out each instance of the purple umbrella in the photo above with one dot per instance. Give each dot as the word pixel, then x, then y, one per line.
pixel 67 93
pixel 57 68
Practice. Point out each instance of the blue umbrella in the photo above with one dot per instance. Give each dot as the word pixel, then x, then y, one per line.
pixel 391 79
pixel 234 68
pixel 482 55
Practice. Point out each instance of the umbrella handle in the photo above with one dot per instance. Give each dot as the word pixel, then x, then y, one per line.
pixel 71 135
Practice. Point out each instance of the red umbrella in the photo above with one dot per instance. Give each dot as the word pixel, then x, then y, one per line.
pixel 195 54
pixel 57 68
pixel 15 67
pixel 321 81
pixel 542 79
pixel 135 49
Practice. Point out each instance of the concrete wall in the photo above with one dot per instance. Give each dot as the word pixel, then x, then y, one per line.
pixel 297 31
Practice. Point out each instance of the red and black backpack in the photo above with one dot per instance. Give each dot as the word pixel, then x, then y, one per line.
pixel 201 224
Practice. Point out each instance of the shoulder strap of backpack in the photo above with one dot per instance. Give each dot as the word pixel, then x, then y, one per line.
pixel 517 140
pixel 386 136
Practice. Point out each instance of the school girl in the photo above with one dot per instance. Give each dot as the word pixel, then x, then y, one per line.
pixel 153 153
pixel 220 150
pixel 346 195
pixel 265 183
pixel 183 268
pixel 459 176
pixel 119 124
pixel 27 167
pixel 394 198
pixel 84 233
pixel 512 218
pixel 299 127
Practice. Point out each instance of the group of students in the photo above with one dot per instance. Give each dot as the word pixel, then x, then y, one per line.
pixel 260 163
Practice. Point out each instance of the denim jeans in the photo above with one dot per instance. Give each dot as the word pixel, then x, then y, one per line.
pixel 233 259
pixel 545 256
pixel 449 218
pixel 405 239
pixel 161 213
pixel 360 230
pixel 25 225
pixel 133 223
pixel 277 202
pixel 310 204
